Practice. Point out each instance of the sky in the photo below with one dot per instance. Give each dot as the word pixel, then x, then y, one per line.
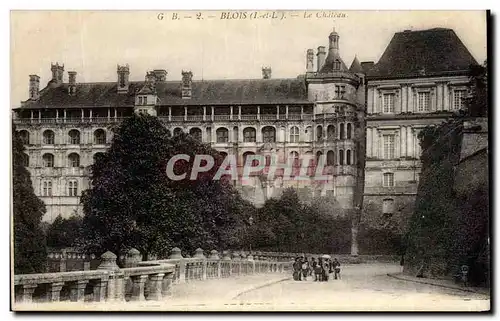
pixel 92 43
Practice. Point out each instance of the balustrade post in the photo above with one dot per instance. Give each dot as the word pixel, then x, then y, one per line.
pixel 116 287
pixel 138 284
pixel 27 291
pixel 132 258
pixel 198 254
pixel 226 256
pixel 77 290
pixel 62 262
pixel 155 288
pixel 182 270
pixel 99 290
pixel 166 286
pixel 54 291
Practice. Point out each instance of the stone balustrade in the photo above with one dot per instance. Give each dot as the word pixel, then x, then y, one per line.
pixel 140 280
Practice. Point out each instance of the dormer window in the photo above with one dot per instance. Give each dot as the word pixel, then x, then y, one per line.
pixel 336 65
pixel 140 100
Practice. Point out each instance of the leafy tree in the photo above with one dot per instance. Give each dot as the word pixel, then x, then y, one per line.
pixel 64 232
pixel 477 102
pixel 133 203
pixel 29 241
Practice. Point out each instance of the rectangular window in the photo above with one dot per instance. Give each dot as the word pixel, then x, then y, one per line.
pixel 73 188
pixel 47 188
pixel 249 136
pixel 388 103
pixel 388 179
pixel 458 99
pixel 423 102
pixel 222 136
pixel 388 146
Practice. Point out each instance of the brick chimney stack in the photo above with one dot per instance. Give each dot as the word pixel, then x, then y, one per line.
pixel 266 72
pixel 310 60
pixel 34 88
pixel 187 84
pixel 321 55
pixel 123 78
pixel 72 82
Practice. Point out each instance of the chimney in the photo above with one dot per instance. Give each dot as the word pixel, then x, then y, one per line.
pixel 266 72
pixel 57 74
pixel 187 84
pixel 160 75
pixel 123 78
pixel 321 57
pixel 72 82
pixel 310 60
pixel 34 89
pixel 150 79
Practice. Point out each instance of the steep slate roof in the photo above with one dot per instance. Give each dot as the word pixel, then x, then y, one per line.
pixel 355 66
pixel 429 52
pixel 206 92
pixel 330 59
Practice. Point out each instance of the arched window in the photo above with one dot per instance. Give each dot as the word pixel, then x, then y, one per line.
pixel 48 160
pixel 74 160
pixel 309 133
pixel 177 131
pixel 269 134
pixel 25 160
pixel 342 131
pixel 341 157
pixel 46 188
pixel 236 134
pixel 196 133
pixel 349 131
pixel 319 133
pixel 348 157
pixel 318 156
pixel 249 135
pixel 73 188
pixel 245 156
pixel 330 158
pixel 25 137
pixel 330 131
pixel 74 137
pixel 48 137
pixel 100 137
pixel 222 135
pixel 294 134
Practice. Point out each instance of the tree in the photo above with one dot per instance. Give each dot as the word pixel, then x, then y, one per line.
pixel 64 232
pixel 133 202
pixel 477 102
pixel 29 241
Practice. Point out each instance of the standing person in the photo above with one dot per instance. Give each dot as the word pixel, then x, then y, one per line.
pixel 313 268
pixel 296 269
pixel 305 268
pixel 318 271
pixel 325 270
pixel 336 268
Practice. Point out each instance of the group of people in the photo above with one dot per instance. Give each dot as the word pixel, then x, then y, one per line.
pixel 322 268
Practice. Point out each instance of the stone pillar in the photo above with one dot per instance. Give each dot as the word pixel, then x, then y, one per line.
pixel 231 112
pixel 375 145
pixel 138 282
pixel 185 113
pixel 156 285
pixel 258 112
pixel 116 287
pixel 62 262
pixel 409 142
pixel 175 253
pixel 226 256
pixel 132 258
pixel 212 118
pixel 375 98
pixel 446 97
pixel 369 141
pixel 204 113
pixel 77 290
pixel 27 291
pixel 169 113
pixel 166 286
pixel 100 290
pixel 86 266
pixel 403 141
pixel 411 97
pixel 54 291
pixel 214 255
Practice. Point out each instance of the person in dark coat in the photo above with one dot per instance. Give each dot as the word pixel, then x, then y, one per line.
pixel 296 269
pixel 313 268
pixel 336 268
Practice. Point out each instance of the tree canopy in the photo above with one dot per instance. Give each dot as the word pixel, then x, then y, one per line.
pixel 29 240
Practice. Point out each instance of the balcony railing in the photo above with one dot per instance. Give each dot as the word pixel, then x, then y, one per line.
pixel 94 120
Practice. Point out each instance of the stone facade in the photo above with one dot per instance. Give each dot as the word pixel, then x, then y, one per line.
pixel 317 113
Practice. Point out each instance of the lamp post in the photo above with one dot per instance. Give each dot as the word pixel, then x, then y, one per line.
pixel 250 223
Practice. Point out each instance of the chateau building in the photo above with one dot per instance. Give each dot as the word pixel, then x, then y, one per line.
pixel 418 81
